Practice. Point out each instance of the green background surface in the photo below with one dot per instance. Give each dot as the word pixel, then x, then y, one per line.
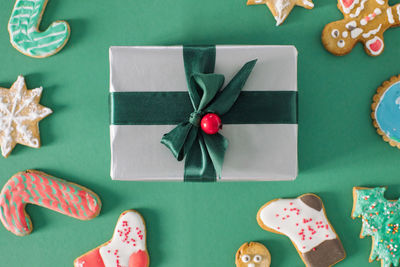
pixel 192 224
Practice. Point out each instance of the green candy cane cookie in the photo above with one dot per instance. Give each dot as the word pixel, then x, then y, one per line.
pixel 24 34
pixel 381 220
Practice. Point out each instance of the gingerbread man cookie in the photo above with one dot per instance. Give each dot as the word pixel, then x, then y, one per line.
pixel 364 21
pixel 304 221
pixel 127 247
pixel 39 188
pixel 381 220
pixel 253 254
pixel 281 8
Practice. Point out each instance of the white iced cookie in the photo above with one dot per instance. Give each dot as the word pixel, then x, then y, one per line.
pixel 304 221
pixel 127 247
pixel 281 8
pixel 20 113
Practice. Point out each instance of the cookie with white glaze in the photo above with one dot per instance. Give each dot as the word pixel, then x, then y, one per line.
pixel 253 254
pixel 20 113
pixel 127 246
pixel 386 111
pixel 304 221
pixel 280 9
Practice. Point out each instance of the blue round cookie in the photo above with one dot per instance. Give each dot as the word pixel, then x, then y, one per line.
pixel 387 111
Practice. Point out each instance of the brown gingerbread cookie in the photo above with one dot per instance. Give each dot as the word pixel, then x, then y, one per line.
pixel 364 21
pixel 253 254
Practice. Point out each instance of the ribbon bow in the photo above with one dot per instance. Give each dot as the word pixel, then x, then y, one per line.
pixel 204 153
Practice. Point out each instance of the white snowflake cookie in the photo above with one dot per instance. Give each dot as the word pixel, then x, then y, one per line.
pixel 20 113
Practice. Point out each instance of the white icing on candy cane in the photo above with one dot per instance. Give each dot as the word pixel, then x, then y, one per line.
pixel 305 226
pixel 129 237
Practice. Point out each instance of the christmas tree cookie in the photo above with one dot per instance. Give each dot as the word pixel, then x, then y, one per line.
pixel 380 220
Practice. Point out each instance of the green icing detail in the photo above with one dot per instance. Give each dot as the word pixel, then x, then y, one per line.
pixel 380 219
pixel 23 29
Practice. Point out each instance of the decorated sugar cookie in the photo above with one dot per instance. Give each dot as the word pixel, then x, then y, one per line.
pixel 25 36
pixel 386 111
pixel 280 9
pixel 253 254
pixel 304 221
pixel 20 113
pixel 39 188
pixel 126 248
pixel 380 220
pixel 364 21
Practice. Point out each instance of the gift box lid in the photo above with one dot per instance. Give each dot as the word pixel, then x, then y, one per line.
pixel 255 152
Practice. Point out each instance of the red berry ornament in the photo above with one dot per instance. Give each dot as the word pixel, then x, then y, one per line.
pixel 211 123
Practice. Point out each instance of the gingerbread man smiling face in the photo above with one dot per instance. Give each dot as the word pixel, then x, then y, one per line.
pixel 364 21
pixel 253 254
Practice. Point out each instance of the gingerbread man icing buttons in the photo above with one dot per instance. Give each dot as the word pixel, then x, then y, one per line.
pixel 364 21
pixel 127 246
pixel 20 113
pixel 381 221
pixel 280 9
pixel 304 221
pixel 253 254
pixel 386 111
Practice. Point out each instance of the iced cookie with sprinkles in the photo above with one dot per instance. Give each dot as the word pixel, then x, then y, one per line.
pixel 386 111
pixel 280 9
pixel 39 188
pixel 25 36
pixel 380 220
pixel 364 21
pixel 303 220
pixel 20 113
pixel 126 248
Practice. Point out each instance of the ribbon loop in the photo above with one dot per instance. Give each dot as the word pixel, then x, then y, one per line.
pixel 204 154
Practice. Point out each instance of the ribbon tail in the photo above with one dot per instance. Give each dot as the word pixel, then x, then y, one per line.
pixel 198 164
pixel 216 146
pixel 227 97
pixel 176 139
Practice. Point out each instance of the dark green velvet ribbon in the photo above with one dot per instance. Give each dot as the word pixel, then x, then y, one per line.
pixel 204 153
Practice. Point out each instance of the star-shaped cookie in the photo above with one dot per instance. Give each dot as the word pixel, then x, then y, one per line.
pixel 20 113
pixel 281 8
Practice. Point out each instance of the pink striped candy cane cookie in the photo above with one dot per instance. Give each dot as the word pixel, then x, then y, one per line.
pixel 39 188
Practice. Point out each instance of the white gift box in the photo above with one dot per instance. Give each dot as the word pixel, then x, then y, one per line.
pixel 261 152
